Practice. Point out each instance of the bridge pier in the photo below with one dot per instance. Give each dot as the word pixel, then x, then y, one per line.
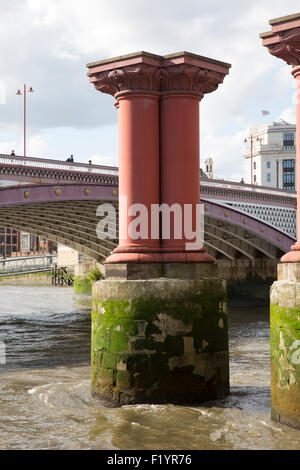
pixel 159 341
pixel 283 42
pixel 285 345
pixel 159 319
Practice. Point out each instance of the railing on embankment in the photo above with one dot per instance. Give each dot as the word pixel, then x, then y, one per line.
pixel 26 264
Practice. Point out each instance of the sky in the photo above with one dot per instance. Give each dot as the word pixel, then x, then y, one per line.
pixel 47 44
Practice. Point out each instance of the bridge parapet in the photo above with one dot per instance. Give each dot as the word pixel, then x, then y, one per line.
pixel 237 192
pixel 42 170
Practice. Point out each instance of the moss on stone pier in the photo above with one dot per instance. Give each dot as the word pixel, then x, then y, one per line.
pixel 83 284
pixel 159 341
pixel 285 352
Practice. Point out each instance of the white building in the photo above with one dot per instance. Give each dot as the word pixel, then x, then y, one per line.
pixel 273 156
pixel 209 168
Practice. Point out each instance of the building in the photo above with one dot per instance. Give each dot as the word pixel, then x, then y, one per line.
pixel 209 168
pixel 16 243
pixel 270 155
pixel 9 241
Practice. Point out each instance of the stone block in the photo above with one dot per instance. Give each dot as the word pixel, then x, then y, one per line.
pixel 285 351
pixel 155 342
pixel 288 272
pixel 135 271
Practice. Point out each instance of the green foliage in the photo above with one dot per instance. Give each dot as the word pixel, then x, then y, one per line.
pixel 83 284
pixel 95 274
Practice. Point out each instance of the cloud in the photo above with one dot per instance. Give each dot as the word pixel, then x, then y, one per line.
pixel 7 147
pixel 108 160
pixel 288 115
pixel 227 154
pixel 51 42
pixel 37 146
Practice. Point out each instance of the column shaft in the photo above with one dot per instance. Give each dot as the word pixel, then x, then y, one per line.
pixel 298 154
pixel 138 161
pixel 180 168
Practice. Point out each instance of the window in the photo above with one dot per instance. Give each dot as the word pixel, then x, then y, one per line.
pixel 289 187
pixel 254 165
pixel 268 164
pixel 288 136
pixel 288 164
pixel 268 177
pixel 288 177
pixel 254 178
pixel 288 141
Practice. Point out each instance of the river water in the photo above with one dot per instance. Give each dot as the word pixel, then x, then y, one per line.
pixel 45 400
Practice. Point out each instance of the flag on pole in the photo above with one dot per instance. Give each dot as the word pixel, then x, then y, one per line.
pixel 265 112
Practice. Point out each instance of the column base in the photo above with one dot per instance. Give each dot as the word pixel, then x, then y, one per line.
pixel 140 255
pixel 285 345
pixel 159 341
pixel 292 256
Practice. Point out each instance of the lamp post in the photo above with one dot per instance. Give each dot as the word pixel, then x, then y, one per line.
pixel 19 93
pixel 251 138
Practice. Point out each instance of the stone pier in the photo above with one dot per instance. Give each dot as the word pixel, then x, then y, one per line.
pixel 159 319
pixel 283 42
pixel 285 345
pixel 159 341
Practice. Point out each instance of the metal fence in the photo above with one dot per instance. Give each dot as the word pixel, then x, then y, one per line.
pixel 26 264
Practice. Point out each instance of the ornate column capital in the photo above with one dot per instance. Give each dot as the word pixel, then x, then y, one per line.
pixel 283 41
pixel 190 78
pixel 140 77
pixel 147 72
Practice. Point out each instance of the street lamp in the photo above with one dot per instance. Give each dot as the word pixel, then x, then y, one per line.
pixel 19 93
pixel 251 138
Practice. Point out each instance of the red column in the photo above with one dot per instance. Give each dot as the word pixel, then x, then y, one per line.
pixel 134 82
pixel 180 165
pixel 296 73
pixel 184 82
pixel 294 254
pixel 138 164
pixel 158 102
pixel 283 42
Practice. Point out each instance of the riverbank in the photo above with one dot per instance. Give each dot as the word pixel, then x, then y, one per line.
pixel 38 278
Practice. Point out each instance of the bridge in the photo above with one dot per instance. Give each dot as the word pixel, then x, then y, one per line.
pixel 58 200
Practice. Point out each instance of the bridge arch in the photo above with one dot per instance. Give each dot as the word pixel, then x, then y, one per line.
pixel 66 213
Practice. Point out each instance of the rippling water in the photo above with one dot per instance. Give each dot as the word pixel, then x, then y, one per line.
pixel 45 400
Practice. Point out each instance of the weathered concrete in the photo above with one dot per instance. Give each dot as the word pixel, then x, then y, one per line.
pixel 159 341
pixel 285 348
pixel 289 272
pixel 243 269
pixel 230 270
pixel 133 271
